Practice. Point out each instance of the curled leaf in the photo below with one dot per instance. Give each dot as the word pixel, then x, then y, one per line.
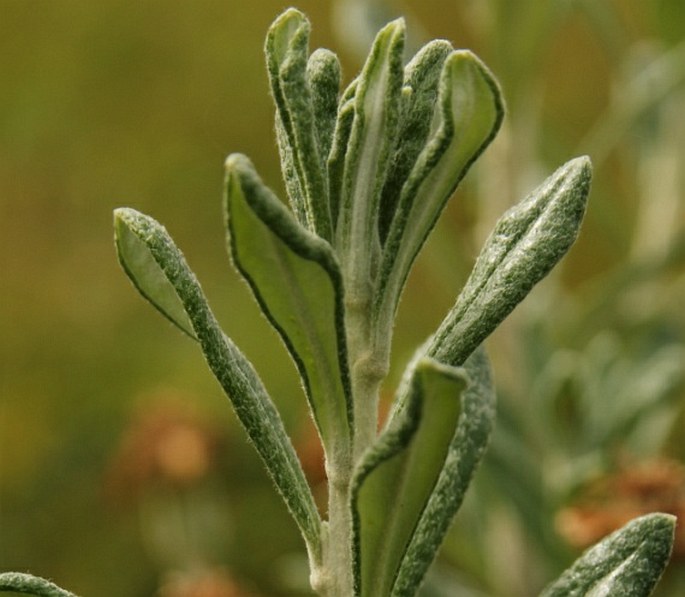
pixel 421 83
pixel 467 117
pixel 376 116
pixel 287 57
pixel 296 280
pixel 464 453
pixel 401 469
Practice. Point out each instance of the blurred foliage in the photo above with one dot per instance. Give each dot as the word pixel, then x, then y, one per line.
pixel 118 102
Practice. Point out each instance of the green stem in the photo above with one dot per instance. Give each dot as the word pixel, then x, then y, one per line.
pixel 368 368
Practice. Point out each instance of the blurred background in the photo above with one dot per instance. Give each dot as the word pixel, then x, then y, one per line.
pixel 122 469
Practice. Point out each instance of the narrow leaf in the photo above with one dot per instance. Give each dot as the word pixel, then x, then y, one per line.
pixel 336 158
pixel 421 83
pixel 287 55
pixel 291 178
pixel 276 46
pixel 468 115
pixel 629 562
pixel 148 277
pixel 464 453
pixel 296 280
pixel 27 584
pixel 401 469
pixel 376 116
pixel 323 80
pixel 237 377
pixel 525 245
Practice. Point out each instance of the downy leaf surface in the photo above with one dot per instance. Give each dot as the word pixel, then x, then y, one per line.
pixel 323 80
pixel 628 562
pixel 27 584
pixel 287 57
pixel 237 377
pixel 336 158
pixel 526 243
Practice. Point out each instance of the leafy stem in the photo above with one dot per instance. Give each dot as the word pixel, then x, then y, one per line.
pixel 368 171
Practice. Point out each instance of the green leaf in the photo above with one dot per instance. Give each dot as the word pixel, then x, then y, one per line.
pixel 468 115
pixel 525 245
pixel 237 377
pixel 376 119
pixel 336 158
pixel 464 453
pixel 628 562
pixel 296 280
pixel 401 469
pixel 27 584
pixel 293 188
pixel 148 277
pixel 323 80
pixel 287 56
pixel 421 83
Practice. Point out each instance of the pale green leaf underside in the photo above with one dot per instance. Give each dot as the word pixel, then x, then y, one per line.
pixel 467 116
pixel 295 278
pixel 464 453
pixel 237 377
pixel 628 563
pixel 525 245
pixel 27 584
pixel 398 474
pixel 148 277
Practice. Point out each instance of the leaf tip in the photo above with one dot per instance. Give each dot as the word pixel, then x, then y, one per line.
pixel 287 27
pixel 393 33
pixel 236 161
pixel 582 168
pixel 125 219
pixel 289 18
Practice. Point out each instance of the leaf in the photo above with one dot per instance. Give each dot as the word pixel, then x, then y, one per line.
pixel 629 562
pixel 421 82
pixel 336 158
pixel 27 584
pixel 295 277
pixel 148 277
pixel 237 377
pixel 287 55
pixel 291 178
pixel 376 117
pixel 463 456
pixel 323 80
pixel 468 115
pixel 401 469
pixel 525 245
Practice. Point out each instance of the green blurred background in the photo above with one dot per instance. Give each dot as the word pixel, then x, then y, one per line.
pixel 122 469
